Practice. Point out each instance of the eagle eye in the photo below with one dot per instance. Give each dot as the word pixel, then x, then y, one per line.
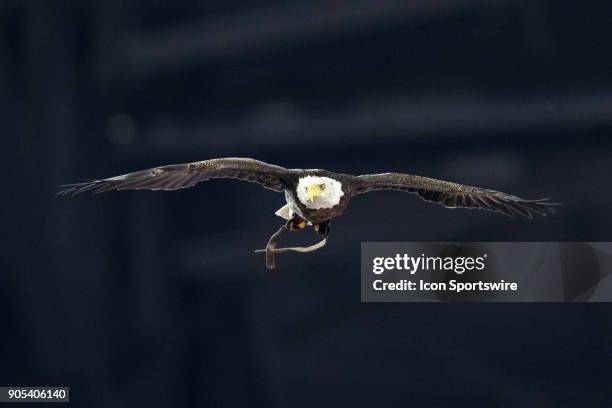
pixel 322 187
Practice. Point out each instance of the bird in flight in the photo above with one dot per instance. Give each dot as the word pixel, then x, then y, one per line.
pixel 313 196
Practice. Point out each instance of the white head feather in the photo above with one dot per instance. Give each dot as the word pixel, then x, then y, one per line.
pixel 327 197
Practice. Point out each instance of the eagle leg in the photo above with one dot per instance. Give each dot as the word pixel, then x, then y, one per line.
pixel 296 223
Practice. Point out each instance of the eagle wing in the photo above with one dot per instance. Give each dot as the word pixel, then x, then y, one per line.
pixel 177 176
pixel 453 195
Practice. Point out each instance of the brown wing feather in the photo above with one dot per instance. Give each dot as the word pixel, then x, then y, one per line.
pixel 453 195
pixel 177 176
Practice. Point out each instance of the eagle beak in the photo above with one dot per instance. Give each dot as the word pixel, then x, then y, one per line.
pixel 313 192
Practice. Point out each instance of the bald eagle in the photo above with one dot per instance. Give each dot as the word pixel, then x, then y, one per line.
pixel 314 196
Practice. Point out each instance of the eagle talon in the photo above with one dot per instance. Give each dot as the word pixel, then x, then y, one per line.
pixel 295 224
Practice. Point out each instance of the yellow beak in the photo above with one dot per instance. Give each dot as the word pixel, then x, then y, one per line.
pixel 313 192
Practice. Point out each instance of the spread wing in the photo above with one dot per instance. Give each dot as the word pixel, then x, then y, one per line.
pixel 177 176
pixel 453 195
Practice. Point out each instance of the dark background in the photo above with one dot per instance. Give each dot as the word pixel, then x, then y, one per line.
pixel 156 299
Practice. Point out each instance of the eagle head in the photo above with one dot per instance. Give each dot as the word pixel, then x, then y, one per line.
pixel 319 192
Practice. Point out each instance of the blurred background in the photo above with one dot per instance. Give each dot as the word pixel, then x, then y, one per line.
pixel 156 299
